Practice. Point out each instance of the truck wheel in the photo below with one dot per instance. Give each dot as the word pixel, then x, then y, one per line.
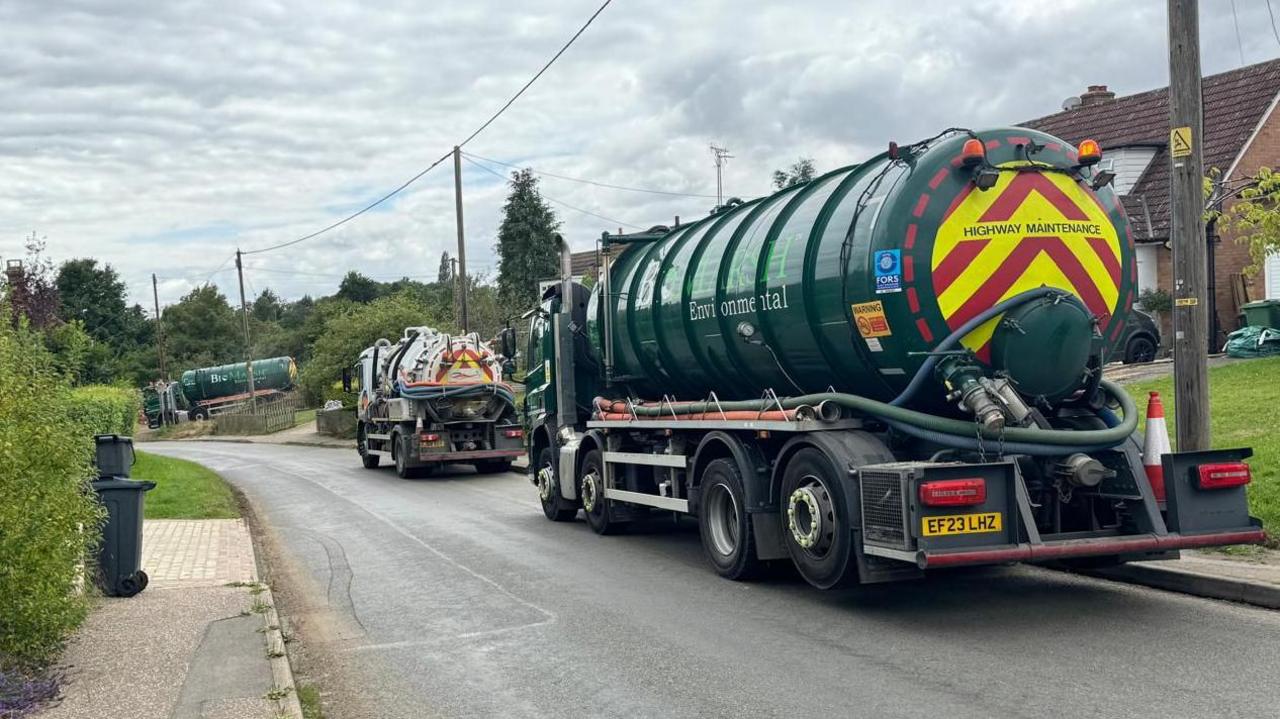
pixel 398 455
pixel 724 523
pixel 493 466
pixel 370 461
pixel 814 526
pixel 199 413
pixel 555 507
pixel 591 489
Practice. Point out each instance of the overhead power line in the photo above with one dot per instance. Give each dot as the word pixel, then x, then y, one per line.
pixel 446 155
pixel 544 173
pixel 545 196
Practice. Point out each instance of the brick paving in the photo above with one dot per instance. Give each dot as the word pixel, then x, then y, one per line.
pixel 179 553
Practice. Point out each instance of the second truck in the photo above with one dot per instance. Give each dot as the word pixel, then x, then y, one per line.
pixel 431 399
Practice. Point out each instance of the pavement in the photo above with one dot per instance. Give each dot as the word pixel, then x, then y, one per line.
pixel 453 597
pixel 1127 373
pixel 192 645
pixel 302 435
pixel 1251 578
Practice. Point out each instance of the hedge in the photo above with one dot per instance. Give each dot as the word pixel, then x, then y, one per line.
pixel 102 409
pixel 49 518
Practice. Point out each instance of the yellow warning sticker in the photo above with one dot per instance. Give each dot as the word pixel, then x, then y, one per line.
pixel 1180 142
pixel 869 316
pixel 1186 302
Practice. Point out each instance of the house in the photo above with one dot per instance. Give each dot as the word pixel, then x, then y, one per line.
pixel 1241 134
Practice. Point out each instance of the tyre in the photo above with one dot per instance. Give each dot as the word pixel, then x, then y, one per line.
pixel 370 461
pixel 199 413
pixel 814 526
pixel 493 466
pixel 723 522
pixel 591 489
pixel 1140 349
pixel 554 506
pixel 399 455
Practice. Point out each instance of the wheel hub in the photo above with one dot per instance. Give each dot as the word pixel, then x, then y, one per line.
pixel 546 481
pixel 810 517
pixel 590 491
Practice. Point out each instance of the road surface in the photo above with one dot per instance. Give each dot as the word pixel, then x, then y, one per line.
pixel 453 597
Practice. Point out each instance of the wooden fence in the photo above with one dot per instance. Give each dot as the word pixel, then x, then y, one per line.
pixel 270 416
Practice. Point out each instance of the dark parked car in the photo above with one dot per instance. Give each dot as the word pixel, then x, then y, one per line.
pixel 1140 342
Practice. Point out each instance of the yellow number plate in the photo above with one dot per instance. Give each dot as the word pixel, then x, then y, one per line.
pixel 960 524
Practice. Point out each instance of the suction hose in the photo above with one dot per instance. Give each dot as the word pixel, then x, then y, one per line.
pixel 899 416
pixel 923 374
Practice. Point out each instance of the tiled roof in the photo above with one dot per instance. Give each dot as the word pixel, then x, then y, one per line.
pixel 1234 102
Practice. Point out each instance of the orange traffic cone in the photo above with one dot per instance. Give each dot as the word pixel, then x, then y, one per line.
pixel 1155 444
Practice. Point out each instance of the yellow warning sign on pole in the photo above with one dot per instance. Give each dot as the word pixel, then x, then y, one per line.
pixel 1180 142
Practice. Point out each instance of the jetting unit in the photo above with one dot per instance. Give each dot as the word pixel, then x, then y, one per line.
pixel 892 367
pixel 432 399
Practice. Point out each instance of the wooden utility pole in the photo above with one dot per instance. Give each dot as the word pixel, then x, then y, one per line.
pixel 462 245
pixel 248 356
pixel 1186 198
pixel 457 310
pixel 155 294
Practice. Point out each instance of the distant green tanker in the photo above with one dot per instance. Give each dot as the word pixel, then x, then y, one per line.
pixel 210 383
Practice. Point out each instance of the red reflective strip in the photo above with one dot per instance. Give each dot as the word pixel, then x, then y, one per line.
pixel 993 144
pixel 956 262
pixel 1018 140
pixel 921 203
pixel 910 239
pixel 1102 249
pixel 909 268
pixel 938 177
pixel 925 333
pixel 1020 188
pixel 913 301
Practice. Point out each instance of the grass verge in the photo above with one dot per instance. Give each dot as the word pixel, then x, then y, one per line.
pixel 303 416
pixel 1244 411
pixel 309 698
pixel 184 490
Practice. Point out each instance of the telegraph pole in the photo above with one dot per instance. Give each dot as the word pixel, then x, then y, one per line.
pixel 1190 321
pixel 457 310
pixel 720 154
pixel 155 294
pixel 462 245
pixel 244 316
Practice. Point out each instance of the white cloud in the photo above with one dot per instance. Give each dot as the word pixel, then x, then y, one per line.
pixel 159 136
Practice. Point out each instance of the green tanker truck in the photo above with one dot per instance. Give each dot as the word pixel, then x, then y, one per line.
pixel 212 390
pixel 893 367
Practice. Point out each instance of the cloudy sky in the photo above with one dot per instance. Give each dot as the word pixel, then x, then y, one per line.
pixel 159 136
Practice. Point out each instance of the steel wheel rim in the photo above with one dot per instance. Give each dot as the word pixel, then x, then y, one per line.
pixel 590 492
pixel 811 518
pixel 544 482
pixel 722 520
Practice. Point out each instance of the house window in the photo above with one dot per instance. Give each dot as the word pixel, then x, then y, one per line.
pixel 1148 258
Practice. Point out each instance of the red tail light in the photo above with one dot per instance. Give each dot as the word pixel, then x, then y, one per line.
pixel 1224 475
pixel 429 437
pixel 514 432
pixel 953 492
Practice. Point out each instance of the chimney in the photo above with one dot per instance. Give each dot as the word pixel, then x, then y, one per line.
pixel 1096 95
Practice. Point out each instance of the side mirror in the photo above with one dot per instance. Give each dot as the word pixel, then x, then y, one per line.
pixel 507 342
pixel 346 379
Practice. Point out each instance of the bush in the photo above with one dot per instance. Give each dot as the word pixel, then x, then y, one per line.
pixel 49 518
pixel 101 409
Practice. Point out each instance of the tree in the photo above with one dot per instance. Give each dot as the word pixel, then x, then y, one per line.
pixel 94 295
pixel 267 307
pixel 30 289
pixel 202 330
pixel 347 333
pixel 445 274
pixel 1255 216
pixel 358 288
pixel 801 170
pixel 528 246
